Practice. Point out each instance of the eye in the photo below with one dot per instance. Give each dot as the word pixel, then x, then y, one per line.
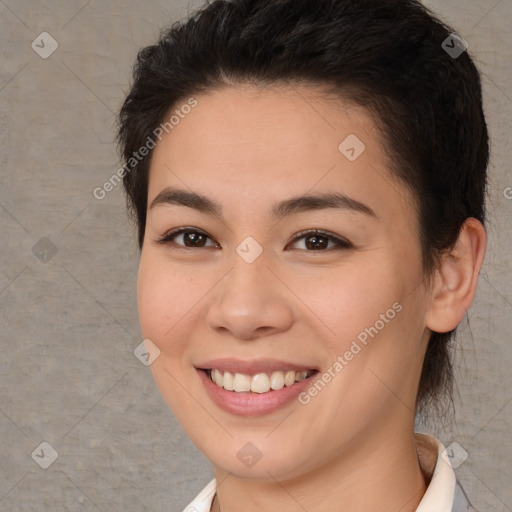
pixel 192 238
pixel 316 240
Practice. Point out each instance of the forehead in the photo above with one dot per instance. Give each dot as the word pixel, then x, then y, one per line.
pixel 271 122
pixel 246 146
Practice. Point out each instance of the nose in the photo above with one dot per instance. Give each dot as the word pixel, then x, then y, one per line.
pixel 250 302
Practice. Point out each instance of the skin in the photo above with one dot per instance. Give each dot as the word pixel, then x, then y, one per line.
pixel 353 443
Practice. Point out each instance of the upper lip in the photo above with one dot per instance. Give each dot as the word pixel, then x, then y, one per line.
pixel 251 367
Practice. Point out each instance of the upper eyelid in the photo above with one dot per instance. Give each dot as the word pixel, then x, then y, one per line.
pixel 323 232
pixel 179 231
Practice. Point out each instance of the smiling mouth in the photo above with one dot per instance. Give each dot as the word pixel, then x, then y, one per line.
pixel 258 383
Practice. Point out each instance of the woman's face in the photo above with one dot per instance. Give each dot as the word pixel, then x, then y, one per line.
pixel 247 290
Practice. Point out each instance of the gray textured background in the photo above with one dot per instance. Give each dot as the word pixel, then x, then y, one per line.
pixel 68 318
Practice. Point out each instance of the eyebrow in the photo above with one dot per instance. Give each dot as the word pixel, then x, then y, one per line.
pixel 279 210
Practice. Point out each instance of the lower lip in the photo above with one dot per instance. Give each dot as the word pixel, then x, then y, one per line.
pixel 249 403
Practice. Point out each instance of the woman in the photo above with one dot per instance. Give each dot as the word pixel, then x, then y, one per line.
pixel 308 179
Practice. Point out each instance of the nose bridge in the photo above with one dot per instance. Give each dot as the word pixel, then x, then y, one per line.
pixel 249 273
pixel 249 250
pixel 249 297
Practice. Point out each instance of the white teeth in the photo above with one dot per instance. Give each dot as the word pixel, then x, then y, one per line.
pixel 241 382
pixel 259 383
pixel 277 380
pixel 228 381
pixel 218 378
pixel 289 378
pixel 300 376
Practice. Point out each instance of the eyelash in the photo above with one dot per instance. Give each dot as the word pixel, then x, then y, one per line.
pixel 339 242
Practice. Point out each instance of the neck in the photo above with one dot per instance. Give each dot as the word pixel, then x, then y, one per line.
pixel 383 475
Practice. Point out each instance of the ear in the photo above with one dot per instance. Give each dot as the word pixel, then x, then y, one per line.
pixel 455 280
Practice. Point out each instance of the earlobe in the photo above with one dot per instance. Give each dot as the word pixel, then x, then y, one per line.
pixel 456 278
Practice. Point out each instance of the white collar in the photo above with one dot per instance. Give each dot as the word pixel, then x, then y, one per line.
pixel 441 489
pixel 439 496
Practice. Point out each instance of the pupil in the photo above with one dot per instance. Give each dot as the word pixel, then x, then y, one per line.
pixel 194 238
pixel 316 244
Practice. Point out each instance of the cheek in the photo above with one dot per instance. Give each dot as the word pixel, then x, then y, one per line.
pixel 349 299
pixel 373 322
pixel 171 302
pixel 378 326
pixel 152 297
pixel 165 300
pixel 164 295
